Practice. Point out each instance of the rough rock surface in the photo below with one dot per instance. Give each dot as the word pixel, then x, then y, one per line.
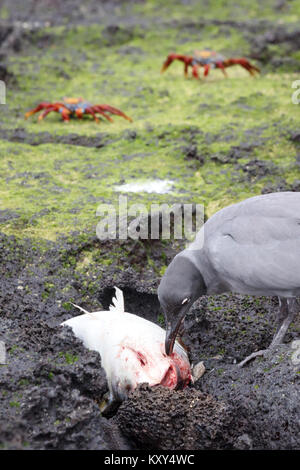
pixel 264 397
pixel 159 418
pixel 52 388
pixel 51 385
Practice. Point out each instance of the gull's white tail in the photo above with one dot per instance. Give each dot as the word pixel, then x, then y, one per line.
pixel 118 301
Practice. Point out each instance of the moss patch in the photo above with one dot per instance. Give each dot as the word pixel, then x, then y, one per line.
pixel 49 187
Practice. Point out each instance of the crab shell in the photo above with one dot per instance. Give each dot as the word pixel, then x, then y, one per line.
pixel 208 56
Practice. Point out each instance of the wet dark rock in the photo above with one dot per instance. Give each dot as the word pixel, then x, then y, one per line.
pixel 130 50
pixel 5 31
pixel 164 93
pixel 54 388
pixel 13 435
pixel 250 27
pixel 289 40
pixel 256 169
pixel 140 303
pixel 282 5
pixel 7 214
pixel 243 442
pixel 130 135
pixel 189 136
pixel 295 137
pixel 286 63
pixel 52 385
pixel 263 396
pixel 220 158
pixel 240 151
pixel 160 418
pixel 281 186
pixel 115 34
pixel 39 138
pixel 134 155
pixel 5 75
pixel 281 34
pixel 191 153
pixel 27 175
pixel 11 39
pixel 52 12
pixel 73 421
pixel 236 152
pixel 295 186
pixel 216 328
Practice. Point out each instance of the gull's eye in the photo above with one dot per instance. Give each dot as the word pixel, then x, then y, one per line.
pixel 185 301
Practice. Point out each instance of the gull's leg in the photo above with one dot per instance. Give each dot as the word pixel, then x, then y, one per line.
pixel 292 308
pixel 286 314
pixel 282 312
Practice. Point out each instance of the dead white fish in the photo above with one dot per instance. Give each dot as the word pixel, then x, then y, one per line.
pixel 132 349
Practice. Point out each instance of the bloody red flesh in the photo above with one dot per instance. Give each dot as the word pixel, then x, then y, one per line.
pixel 177 371
pixel 178 374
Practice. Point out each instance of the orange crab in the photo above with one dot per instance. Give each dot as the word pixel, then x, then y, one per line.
pixel 76 107
pixel 208 59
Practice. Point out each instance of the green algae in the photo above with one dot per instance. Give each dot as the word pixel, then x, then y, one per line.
pixel 55 188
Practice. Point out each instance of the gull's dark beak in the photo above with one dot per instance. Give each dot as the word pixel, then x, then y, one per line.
pixel 172 330
pixel 170 339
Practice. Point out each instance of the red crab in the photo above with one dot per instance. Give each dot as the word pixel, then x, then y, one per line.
pixel 208 59
pixel 70 107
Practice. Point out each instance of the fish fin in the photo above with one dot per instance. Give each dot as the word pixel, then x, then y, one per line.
pixel 118 301
pixel 80 308
pixel 92 315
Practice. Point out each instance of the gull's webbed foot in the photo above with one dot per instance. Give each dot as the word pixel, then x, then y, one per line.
pixel 252 356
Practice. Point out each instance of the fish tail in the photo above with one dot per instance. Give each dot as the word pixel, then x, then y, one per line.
pixel 118 301
pixel 80 308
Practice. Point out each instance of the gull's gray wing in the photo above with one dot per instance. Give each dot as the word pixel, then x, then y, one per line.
pixel 254 246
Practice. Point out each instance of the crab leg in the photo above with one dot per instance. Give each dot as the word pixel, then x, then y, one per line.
pixel 65 113
pixel 195 68
pixel 220 65
pixel 206 69
pixel 97 109
pixel 112 110
pixel 186 67
pixel 47 111
pixel 37 109
pixel 244 63
pixel 90 110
